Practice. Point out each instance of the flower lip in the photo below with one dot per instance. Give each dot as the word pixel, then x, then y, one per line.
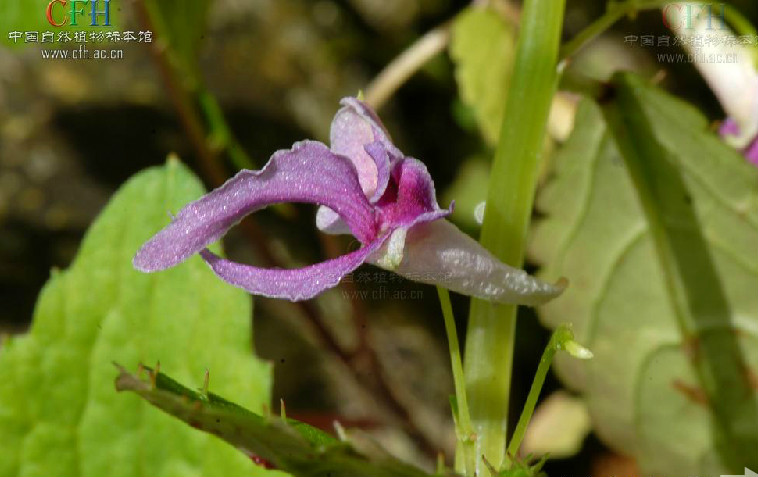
pixel 308 172
pixel 292 284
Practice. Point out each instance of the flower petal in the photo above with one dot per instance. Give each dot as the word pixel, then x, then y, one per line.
pixel 392 254
pixel 410 201
pixel 439 253
pixel 309 172
pixel 383 158
pixel 295 284
pixel 355 128
pixel 328 221
pixel 410 197
pixel 729 128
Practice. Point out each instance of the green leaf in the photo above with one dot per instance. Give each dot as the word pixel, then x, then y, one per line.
pixel 31 15
pixel 59 413
pixel 483 49
pixel 659 246
pixel 292 446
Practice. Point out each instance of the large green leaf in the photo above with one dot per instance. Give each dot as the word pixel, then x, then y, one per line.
pixel 483 48
pixel 59 413
pixel 283 443
pixel 660 247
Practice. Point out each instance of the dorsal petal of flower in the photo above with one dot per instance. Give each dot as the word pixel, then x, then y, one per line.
pixel 378 150
pixel 295 284
pixel 354 131
pixel 309 172
pixel 439 253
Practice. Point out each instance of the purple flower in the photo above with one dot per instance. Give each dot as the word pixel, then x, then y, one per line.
pixel 366 187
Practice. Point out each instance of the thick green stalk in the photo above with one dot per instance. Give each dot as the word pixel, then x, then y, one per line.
pixel 489 343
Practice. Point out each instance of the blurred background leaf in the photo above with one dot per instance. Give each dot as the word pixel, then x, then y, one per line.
pixel 468 192
pixel 483 49
pixel 59 413
pixel 181 24
pixel 644 394
pixel 563 411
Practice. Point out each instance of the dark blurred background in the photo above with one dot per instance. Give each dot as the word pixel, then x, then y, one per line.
pixel 72 132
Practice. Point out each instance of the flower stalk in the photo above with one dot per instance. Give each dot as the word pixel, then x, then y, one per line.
pixel 562 339
pixel 465 461
pixel 489 343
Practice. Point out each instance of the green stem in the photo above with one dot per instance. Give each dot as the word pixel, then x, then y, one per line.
pixel 220 135
pixel 591 32
pixel 489 343
pixel 599 26
pixel 184 74
pixel 558 340
pixel 464 430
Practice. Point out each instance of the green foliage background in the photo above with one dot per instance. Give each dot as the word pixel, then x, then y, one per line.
pixel 59 411
pixel 668 358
